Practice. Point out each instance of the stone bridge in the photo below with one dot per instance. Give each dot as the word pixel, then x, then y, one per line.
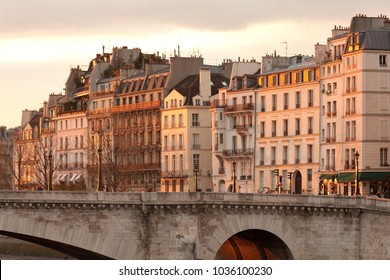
pixel 199 225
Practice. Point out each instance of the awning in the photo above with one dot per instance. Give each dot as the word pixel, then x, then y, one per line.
pixel 326 176
pixel 364 176
pixel 73 177
pixel 63 176
pixel 346 177
pixel 374 176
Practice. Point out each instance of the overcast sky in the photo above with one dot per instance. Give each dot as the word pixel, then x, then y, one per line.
pixel 41 39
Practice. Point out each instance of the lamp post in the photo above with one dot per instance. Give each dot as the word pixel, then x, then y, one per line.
pixel 289 179
pixel 357 173
pixel 234 176
pixel 196 170
pixel 100 182
pixel 50 157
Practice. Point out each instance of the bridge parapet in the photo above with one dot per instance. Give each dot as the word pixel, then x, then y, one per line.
pixel 212 201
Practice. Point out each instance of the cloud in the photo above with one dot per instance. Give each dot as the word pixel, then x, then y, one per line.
pixel 92 17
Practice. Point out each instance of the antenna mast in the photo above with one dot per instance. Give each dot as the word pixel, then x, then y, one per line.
pixel 286 46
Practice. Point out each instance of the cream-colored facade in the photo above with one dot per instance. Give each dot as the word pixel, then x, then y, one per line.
pixel 358 63
pixel 233 137
pixel 186 147
pixel 186 134
pixel 287 136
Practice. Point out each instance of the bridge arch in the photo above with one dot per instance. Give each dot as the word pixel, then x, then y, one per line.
pixel 254 244
pixel 67 249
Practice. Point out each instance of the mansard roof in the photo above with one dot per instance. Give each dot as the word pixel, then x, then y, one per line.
pixel 189 86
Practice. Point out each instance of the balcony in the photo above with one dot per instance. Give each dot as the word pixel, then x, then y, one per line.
pixel 136 106
pixel 298 105
pixel 334 113
pixel 195 123
pixel 242 128
pixel 309 160
pixel 261 163
pixel 310 131
pixel 240 107
pixel 285 133
pixel 196 146
pixel 221 170
pixel 297 160
pixel 310 104
pixel 175 174
pixel 262 135
pixel 284 161
pixel 285 107
pixel 218 104
pixel 297 132
pixel 273 133
pixel 238 152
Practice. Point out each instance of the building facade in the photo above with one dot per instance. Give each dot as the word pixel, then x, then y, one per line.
pixel 186 133
pixel 355 108
pixel 287 112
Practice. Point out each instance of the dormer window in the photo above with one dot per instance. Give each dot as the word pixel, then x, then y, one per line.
pixel 197 102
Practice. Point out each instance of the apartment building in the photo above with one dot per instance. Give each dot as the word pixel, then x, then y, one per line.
pixel 6 157
pixel 28 162
pixel 287 137
pixel 136 115
pixel 233 129
pixel 355 108
pixel 186 133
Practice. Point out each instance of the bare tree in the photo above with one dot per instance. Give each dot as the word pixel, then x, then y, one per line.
pixel 110 167
pixel 44 162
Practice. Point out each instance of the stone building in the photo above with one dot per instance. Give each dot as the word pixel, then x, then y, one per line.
pixel 186 133
pixel 287 136
pixel 6 158
pixel 355 86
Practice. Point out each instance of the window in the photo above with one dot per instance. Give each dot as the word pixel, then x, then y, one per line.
pixel 166 142
pixel 81 141
pixel 221 138
pixel 383 156
pixel 262 156
pixel 166 163
pixel 274 102
pixel 273 128
pixel 310 125
pixel 310 153
pixel 262 103
pixel 173 163
pixel 196 160
pixel 309 178
pixel 195 141
pixel 285 154
pixel 353 132
pixel 285 101
pixel 195 119
pixel 273 155
pixel 173 143
pixel 285 127
pixel 297 154
pixel 262 129
pixel 76 142
pixel 298 99
pixel 297 126
pixel 310 98
pixel 334 132
pixel 382 60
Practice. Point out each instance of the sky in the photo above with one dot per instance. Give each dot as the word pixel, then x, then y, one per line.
pixel 40 40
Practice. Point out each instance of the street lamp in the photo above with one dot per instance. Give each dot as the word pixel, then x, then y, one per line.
pixel 234 176
pixel 289 179
pixel 357 172
pixel 100 182
pixel 196 170
pixel 50 187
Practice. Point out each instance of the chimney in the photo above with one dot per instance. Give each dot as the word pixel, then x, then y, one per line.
pixel 205 82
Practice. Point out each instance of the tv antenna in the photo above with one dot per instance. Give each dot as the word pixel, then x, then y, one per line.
pixel 286 46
